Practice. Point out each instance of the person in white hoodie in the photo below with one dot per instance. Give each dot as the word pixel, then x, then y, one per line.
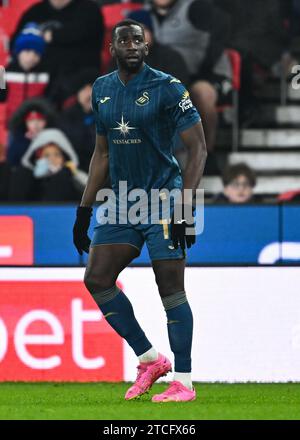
pixel 48 171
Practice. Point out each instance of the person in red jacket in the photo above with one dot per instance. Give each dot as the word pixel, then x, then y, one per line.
pixel 25 76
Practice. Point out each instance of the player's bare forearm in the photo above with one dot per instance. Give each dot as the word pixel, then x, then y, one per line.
pixel 98 171
pixel 194 141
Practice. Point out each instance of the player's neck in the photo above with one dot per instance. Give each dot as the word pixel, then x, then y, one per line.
pixel 126 76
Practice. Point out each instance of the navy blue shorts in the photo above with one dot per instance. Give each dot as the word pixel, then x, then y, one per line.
pixel 156 236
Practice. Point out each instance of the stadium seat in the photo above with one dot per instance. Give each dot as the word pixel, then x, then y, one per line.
pixel 288 196
pixel 4 49
pixel 112 14
pixel 11 14
pixel 22 5
pixel 235 61
pixel 9 19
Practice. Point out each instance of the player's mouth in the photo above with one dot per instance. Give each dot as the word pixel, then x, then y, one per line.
pixel 132 58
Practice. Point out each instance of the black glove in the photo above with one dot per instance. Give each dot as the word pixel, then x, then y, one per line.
pixel 80 229
pixel 179 228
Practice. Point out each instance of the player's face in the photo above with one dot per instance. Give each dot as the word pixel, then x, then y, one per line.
pixel 239 190
pixel 129 47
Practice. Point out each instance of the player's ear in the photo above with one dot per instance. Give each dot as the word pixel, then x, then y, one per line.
pixel 146 49
pixel 111 50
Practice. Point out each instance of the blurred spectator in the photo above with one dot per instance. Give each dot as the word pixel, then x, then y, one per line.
pixel 49 171
pixel 25 74
pixel 257 29
pixel 239 181
pixel 27 122
pixel 199 32
pixel 294 16
pixel 259 34
pixel 73 30
pixel 161 57
pixel 63 91
pixel 78 121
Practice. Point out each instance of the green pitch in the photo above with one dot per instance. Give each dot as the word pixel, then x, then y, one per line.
pixel 105 401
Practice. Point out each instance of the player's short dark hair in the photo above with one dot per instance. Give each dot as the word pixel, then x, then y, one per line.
pixel 231 172
pixel 128 22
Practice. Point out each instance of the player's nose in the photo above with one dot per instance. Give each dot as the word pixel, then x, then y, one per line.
pixel 131 45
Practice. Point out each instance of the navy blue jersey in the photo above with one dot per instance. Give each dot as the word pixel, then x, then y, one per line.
pixel 141 120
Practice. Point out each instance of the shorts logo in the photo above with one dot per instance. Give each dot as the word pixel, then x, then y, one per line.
pixel 185 102
pixel 143 100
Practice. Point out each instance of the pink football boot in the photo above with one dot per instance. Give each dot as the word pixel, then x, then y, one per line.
pixel 148 373
pixel 176 392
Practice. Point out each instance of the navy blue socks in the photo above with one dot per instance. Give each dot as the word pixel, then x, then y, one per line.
pixel 180 330
pixel 118 312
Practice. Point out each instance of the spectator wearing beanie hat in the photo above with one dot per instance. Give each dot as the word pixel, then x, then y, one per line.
pixel 25 76
pixel 30 39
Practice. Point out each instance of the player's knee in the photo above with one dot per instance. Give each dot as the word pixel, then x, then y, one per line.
pixel 169 282
pixel 97 282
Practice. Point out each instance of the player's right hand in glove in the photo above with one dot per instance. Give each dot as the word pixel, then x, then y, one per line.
pixel 80 229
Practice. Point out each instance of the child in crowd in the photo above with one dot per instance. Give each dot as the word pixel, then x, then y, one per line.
pixel 49 171
pixel 239 181
pixel 25 76
pixel 33 116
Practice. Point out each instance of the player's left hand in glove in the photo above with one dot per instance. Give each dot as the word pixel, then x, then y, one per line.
pixel 80 229
pixel 180 225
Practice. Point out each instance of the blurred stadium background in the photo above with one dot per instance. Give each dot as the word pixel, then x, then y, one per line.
pixel 243 274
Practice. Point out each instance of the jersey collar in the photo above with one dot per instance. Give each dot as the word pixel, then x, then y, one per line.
pixel 134 79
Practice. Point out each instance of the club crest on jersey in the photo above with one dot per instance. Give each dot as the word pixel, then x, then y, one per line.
pixel 185 102
pixel 143 100
pixel 105 99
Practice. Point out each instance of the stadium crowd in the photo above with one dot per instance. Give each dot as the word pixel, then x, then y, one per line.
pixel 59 47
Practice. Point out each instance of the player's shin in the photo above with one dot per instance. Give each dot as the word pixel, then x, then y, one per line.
pixel 180 331
pixel 118 312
